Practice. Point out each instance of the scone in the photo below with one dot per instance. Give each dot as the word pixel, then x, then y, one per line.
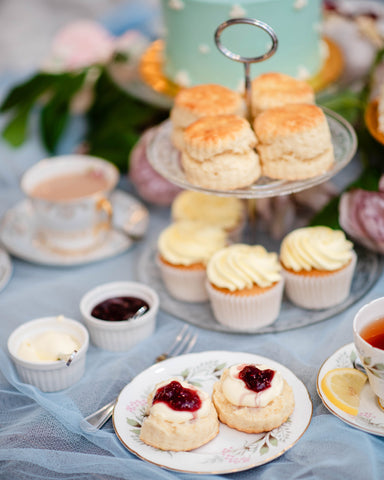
pixel 184 249
pixel 180 417
pixel 270 90
pixel 253 398
pixel 294 142
pixel 245 286
pixel 193 103
pixel 318 265
pixel 219 153
pixel 228 213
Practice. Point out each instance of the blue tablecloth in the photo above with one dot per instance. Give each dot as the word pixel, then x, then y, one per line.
pixel 40 436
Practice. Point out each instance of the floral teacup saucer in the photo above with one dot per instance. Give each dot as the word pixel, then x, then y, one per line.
pixel 371 416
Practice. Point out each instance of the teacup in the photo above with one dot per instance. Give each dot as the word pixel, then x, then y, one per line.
pixel 368 334
pixel 69 196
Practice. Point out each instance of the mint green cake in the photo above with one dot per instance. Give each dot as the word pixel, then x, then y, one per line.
pixel 191 56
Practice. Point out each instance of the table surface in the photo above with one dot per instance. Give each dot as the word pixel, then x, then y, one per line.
pixel 40 434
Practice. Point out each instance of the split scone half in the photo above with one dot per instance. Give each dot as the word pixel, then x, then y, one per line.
pixel 294 142
pixel 199 101
pixel 219 153
pixel 253 398
pixel 180 417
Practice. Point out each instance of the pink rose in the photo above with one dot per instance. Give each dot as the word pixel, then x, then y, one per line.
pixel 78 45
pixel 361 215
pixel 151 186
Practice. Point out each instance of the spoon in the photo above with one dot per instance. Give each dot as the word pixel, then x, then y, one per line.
pixel 139 312
pixel 67 357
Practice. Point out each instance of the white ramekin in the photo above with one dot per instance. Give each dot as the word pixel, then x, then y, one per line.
pixel 121 335
pixel 56 375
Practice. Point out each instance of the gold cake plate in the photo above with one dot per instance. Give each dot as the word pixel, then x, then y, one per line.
pixel 151 69
pixel 371 118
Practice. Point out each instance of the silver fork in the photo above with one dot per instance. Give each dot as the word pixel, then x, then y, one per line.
pixel 183 343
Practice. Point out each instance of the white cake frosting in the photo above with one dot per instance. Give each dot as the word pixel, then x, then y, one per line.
pixel 192 57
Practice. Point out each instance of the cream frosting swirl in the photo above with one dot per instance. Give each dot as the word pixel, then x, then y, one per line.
pixel 225 212
pixel 237 393
pixel 187 242
pixel 320 248
pixel 162 410
pixel 241 266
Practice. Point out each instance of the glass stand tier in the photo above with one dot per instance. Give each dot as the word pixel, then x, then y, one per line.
pixel 165 159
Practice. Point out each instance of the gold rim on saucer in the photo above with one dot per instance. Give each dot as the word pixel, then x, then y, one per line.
pixel 151 69
pixel 371 121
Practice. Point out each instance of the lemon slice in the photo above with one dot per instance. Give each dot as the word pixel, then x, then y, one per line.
pixel 342 387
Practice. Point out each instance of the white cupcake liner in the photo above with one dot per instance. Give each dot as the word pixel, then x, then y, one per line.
pixel 317 292
pixel 184 284
pixel 246 312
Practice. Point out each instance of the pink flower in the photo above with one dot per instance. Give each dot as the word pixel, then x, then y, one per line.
pixel 361 215
pixel 151 186
pixel 78 45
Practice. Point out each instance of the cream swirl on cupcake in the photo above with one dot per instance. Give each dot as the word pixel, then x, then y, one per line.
pixel 161 409
pixel 187 242
pixel 320 248
pixel 241 266
pixel 237 393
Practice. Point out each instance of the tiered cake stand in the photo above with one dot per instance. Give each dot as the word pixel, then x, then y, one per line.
pixel 165 159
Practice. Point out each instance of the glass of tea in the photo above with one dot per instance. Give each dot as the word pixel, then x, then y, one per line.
pixel 368 334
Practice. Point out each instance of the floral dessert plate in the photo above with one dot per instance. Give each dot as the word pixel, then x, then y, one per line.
pixel 230 450
pixel 370 417
pixel 17 234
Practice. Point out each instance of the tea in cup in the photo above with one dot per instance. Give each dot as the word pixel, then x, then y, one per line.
pixel 69 195
pixel 368 334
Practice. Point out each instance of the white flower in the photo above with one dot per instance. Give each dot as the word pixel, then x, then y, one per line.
pixel 237 12
pixel 182 78
pixel 176 4
pixel 204 48
pixel 299 4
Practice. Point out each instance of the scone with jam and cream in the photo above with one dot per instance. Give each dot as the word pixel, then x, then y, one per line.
pixel 318 265
pixel 184 249
pixel 245 286
pixel 180 417
pixel 253 398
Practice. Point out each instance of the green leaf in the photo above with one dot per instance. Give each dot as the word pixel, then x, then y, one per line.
pixel 367 361
pixel 273 441
pixel 133 423
pixel 15 132
pixel 116 121
pixel 329 215
pixel 28 92
pixel 55 113
pixel 264 449
pixel 379 366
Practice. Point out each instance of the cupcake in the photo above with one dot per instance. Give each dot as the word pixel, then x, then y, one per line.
pixel 180 417
pixel 184 250
pixel 245 287
pixel 228 213
pixel 253 398
pixel 199 101
pixel 318 265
